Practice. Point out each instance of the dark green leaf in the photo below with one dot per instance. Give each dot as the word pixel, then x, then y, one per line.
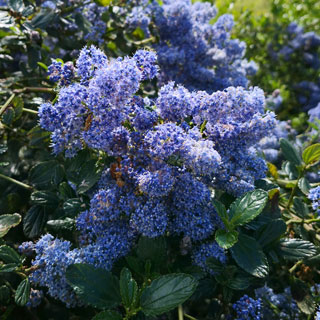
pixel 45 198
pixel 128 288
pixel 34 221
pixel 22 293
pixel 8 116
pixel 304 185
pixel 8 267
pixel 300 208
pixel 290 152
pixel 72 207
pixel 5 293
pixel 8 221
pixel 88 176
pixel 248 207
pixel 250 257
pixel 271 232
pixel 311 154
pixel 153 249
pixel 108 315
pixel 240 281
pixel 296 249
pixel 44 174
pixel 9 255
pixel 222 211
pixel 226 239
pixel 166 293
pixel 96 287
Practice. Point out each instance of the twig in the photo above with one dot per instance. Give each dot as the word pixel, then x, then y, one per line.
pixel 21 184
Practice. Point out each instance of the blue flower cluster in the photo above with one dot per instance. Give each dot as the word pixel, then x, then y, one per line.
pixel 314 196
pixel 191 50
pixel 302 47
pixel 201 253
pixel 248 308
pixel 61 73
pixel 270 145
pixel 279 306
pixel 169 153
pixel 35 298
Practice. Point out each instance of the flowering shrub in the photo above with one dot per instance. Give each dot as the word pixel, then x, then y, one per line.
pixel 143 176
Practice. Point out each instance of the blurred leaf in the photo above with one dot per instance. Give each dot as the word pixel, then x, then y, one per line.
pixel 290 152
pixel 273 170
pixel 304 185
pixel 45 198
pixel 300 208
pixel 8 221
pixel 311 154
pixel 271 232
pixel 153 249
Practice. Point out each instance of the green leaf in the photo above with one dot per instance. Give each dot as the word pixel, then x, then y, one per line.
pixel 250 257
pixel 72 207
pixel 300 208
pixel 248 207
pixel 296 249
pixel 153 249
pixel 270 232
pixel 9 255
pixel 8 221
pixel 42 65
pixel 311 154
pixel 42 19
pixel 166 293
pixel 5 293
pixel 307 305
pixel 290 152
pixel 61 224
pixel 108 315
pixel 34 221
pixel 240 281
pixel 103 3
pixel 22 293
pixel 5 268
pixel 226 239
pixel 45 174
pixel 96 287
pixel 45 198
pixel 16 5
pixel 128 288
pixel 304 185
pixel 222 211
pixel 88 176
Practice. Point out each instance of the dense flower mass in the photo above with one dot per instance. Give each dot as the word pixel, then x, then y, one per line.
pixel 192 51
pixel 248 308
pixel 169 153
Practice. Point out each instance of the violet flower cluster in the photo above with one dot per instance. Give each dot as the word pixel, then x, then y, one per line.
pixel 191 50
pixel 169 153
pixel 247 308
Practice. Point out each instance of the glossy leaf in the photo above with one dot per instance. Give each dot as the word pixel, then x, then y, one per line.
pixel 166 293
pixel 8 221
pixel 290 152
pixel 128 288
pixel 34 221
pixel 226 239
pixel 296 249
pixel 250 257
pixel 247 207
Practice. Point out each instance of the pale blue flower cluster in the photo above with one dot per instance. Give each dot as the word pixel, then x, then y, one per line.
pixel 191 50
pixel 314 196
